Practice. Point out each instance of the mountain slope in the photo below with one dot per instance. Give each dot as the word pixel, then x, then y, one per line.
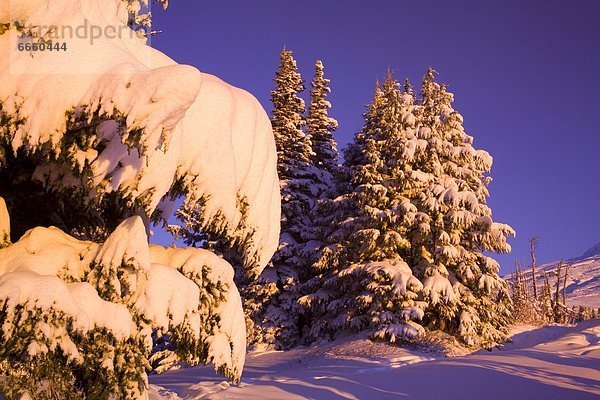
pixel 583 280
pixel 592 251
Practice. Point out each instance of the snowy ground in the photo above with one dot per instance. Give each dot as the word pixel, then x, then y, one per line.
pixel 556 362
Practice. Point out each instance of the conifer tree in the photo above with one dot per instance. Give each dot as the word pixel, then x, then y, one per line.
pixel 366 282
pixel 455 227
pixel 415 197
pixel 278 320
pixel 325 161
pixel 320 126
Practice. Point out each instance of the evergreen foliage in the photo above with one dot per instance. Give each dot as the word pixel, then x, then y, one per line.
pixel 415 193
pixel 277 318
pixel 308 166
pixel 320 127
pixel 366 284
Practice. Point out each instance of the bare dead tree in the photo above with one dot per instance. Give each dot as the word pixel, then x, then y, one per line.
pixel 525 284
pixel 557 294
pixel 564 290
pixel 518 281
pixel 533 242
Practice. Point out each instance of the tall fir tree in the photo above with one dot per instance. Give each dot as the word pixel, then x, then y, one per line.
pixel 325 161
pixel 277 322
pixel 320 127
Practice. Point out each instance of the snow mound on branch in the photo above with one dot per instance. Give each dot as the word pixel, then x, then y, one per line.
pixel 127 243
pixel 398 332
pixel 159 123
pixel 78 300
pixel 227 340
pixel 439 289
pixel 104 288
pixel 171 298
pixel 398 271
pixel 49 251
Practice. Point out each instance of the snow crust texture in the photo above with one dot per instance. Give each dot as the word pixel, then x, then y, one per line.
pixel 554 362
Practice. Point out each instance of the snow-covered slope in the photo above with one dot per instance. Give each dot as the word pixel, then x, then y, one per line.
pixel 556 362
pixel 592 251
pixel 583 281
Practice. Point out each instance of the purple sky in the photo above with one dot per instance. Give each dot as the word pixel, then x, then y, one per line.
pixel 524 74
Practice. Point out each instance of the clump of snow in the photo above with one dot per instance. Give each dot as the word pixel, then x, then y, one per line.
pixel 171 299
pixel 403 281
pixel 438 288
pixel 159 122
pixel 80 301
pixel 128 243
pixel 399 332
pixel 49 251
pixel 227 337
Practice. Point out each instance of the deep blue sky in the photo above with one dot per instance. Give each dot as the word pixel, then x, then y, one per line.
pixel 524 74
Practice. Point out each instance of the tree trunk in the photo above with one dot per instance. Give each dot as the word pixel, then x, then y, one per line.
pixel 533 243
pixel 557 295
pixel 564 290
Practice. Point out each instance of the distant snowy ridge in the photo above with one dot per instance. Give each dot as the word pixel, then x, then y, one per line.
pixel 592 251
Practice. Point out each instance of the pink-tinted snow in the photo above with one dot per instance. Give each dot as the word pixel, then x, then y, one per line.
pixel 556 362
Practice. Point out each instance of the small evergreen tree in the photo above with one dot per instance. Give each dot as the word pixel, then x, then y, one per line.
pixel 320 127
pixel 543 306
pixel 523 309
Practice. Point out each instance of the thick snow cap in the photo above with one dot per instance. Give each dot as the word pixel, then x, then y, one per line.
pixel 195 128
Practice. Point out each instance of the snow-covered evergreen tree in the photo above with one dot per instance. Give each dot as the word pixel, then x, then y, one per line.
pixel 308 163
pixel 416 194
pixel 366 282
pixel 320 127
pixel 454 229
pixel 106 147
pixel 277 321
pixel 325 160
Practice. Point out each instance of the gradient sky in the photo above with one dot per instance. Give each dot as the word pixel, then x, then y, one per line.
pixel 524 74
